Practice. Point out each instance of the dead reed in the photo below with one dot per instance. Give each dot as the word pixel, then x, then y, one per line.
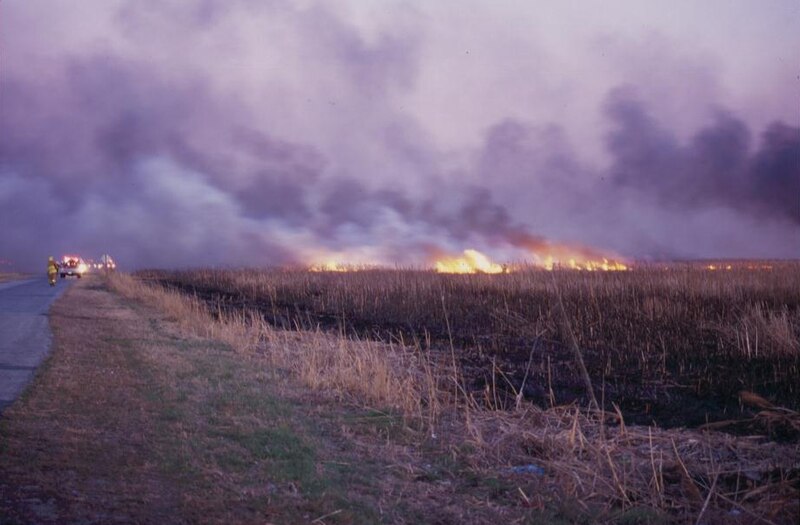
pixel 614 470
pixel 649 337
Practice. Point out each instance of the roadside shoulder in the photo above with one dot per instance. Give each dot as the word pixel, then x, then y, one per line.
pixel 131 420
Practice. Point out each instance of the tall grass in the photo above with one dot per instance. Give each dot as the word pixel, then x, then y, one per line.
pixel 611 471
pixel 365 369
pixel 709 333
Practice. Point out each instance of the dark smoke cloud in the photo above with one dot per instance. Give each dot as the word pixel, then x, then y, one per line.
pixel 78 146
pixel 717 166
pixel 163 163
pixel 132 115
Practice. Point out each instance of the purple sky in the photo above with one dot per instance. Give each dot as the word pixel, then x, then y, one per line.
pixel 253 132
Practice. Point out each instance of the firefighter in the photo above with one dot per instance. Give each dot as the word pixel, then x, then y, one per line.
pixel 52 270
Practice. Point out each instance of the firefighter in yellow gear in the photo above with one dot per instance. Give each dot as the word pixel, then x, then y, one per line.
pixel 52 270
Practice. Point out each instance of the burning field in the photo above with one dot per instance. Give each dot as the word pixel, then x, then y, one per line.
pixel 711 343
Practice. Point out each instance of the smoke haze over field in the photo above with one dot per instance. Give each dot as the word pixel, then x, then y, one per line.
pixel 243 132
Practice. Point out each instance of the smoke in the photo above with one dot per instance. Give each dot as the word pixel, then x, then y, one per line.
pixel 718 166
pixel 247 133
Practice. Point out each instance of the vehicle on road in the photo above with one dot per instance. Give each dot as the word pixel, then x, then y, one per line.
pixel 72 265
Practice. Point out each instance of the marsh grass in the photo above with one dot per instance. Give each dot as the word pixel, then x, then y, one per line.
pixel 596 467
pixel 648 336
pixel 371 370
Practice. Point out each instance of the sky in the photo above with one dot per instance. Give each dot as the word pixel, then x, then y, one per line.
pixel 173 133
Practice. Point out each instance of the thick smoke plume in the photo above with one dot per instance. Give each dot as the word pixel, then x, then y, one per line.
pixel 720 165
pixel 248 133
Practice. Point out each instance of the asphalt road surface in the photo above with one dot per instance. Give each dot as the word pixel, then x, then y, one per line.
pixel 24 332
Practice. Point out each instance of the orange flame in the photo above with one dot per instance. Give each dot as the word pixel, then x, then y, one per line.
pixel 351 260
pixel 472 261
pixel 576 262
pixel 545 255
pixel 536 250
pixel 565 256
pixel 714 267
pixel 329 266
pixel 739 265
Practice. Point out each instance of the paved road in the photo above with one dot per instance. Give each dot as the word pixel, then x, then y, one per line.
pixel 24 332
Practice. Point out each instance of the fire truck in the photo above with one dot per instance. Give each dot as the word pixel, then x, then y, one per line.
pixel 72 265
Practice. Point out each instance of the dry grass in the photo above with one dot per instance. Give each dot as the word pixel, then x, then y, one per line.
pixel 610 471
pixel 651 335
pixel 678 472
pixel 132 421
pixel 82 428
pixel 364 369
pixel 763 331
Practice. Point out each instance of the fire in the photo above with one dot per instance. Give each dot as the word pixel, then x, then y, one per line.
pixel 714 267
pixel 544 254
pixel 579 263
pixel 739 265
pixel 352 260
pixel 552 256
pixel 339 266
pixel 329 266
pixel 528 250
pixel 472 261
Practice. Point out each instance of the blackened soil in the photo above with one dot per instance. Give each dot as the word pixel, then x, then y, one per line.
pixel 660 389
